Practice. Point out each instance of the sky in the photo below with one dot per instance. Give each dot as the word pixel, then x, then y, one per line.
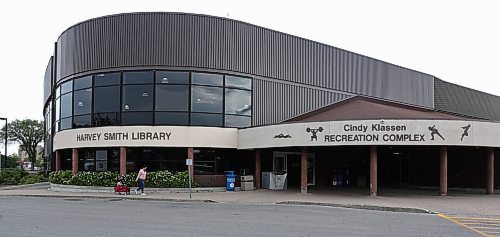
pixel 456 41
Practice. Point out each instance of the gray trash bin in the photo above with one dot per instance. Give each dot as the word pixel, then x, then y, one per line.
pixel 246 182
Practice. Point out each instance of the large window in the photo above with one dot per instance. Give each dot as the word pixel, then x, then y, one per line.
pixel 153 98
pixel 143 77
pixel 82 83
pixel 172 97
pixel 106 106
pixel 137 98
pixel 99 159
pixel 83 102
pixel 66 105
pixel 172 77
pixel 107 79
pixel 107 99
pixel 206 99
pixel 207 79
pixel 216 161
pixel 238 102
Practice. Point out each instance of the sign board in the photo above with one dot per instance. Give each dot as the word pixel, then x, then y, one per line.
pixel 147 136
pixel 189 161
pixel 372 132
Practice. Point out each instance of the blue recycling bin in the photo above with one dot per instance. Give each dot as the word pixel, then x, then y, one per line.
pixel 230 180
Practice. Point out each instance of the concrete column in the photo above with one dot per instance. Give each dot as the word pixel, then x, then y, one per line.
pixel 58 160
pixel 258 169
pixel 191 156
pixel 443 171
pixel 123 161
pixel 303 171
pixel 373 171
pixel 74 161
pixel 490 171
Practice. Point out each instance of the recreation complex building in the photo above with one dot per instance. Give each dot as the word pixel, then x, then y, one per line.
pixel 157 88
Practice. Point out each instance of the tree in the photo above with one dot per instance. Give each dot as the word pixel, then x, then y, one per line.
pixel 12 161
pixel 28 133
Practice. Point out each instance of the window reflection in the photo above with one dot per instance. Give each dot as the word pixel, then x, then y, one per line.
pixel 199 119
pixel 66 105
pixel 82 83
pixel 106 119
pixel 107 99
pixel 170 77
pixel 171 118
pixel 81 121
pixel 237 121
pixel 207 79
pixel 238 102
pixel 137 98
pixel 172 97
pixel 66 87
pixel 137 118
pixel 145 77
pixel 66 123
pixel 212 99
pixel 58 109
pixel 239 82
pixel 83 101
pixel 107 79
pixel 206 99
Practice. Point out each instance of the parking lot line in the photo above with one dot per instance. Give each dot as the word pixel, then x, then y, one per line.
pixel 489 227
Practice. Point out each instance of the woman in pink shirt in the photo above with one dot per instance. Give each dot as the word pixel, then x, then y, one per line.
pixel 141 178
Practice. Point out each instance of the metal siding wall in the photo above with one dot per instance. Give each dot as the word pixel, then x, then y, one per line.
pixel 274 102
pixel 187 40
pixel 47 82
pixel 462 100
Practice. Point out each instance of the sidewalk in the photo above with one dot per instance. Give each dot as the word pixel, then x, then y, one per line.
pixel 455 204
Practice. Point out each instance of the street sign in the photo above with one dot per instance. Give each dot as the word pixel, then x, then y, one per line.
pixel 189 161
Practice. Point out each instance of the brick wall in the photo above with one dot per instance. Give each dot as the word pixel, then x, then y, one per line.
pixel 214 180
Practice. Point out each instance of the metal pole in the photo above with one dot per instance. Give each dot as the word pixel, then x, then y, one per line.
pixel 5 155
pixel 5 161
pixel 190 182
pixel 189 163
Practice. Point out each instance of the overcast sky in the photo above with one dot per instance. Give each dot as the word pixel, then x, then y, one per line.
pixel 456 41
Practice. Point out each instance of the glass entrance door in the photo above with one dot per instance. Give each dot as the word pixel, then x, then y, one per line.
pixel 281 160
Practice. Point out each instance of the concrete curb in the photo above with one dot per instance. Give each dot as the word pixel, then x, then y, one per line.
pixel 99 189
pixel 364 207
pixel 35 185
pixel 111 198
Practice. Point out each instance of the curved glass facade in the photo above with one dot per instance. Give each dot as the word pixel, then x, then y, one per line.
pixel 153 97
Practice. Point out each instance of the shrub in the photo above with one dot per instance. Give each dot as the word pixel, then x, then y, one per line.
pixel 12 176
pixel 106 179
pixel 158 179
pixel 33 178
pixel 60 177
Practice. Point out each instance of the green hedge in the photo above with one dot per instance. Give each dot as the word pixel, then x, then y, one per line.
pixel 12 176
pixel 159 179
pixel 18 176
